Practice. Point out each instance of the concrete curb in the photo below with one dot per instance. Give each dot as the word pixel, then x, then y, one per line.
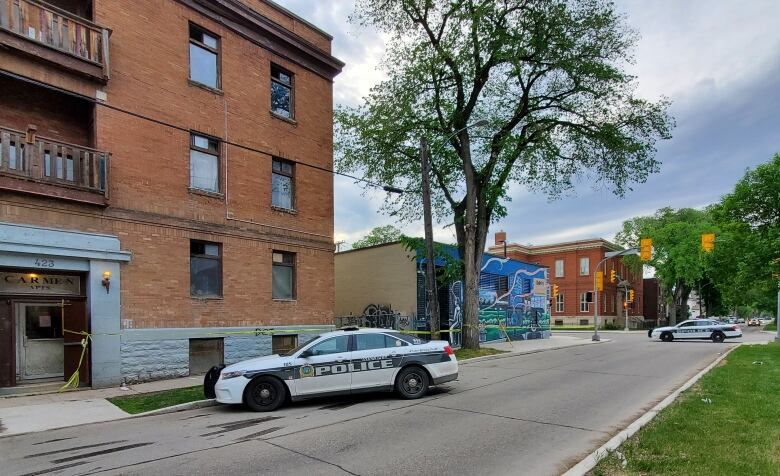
pixel 524 352
pixel 176 408
pixel 592 459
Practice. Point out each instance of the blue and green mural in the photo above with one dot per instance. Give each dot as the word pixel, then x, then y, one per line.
pixel 513 301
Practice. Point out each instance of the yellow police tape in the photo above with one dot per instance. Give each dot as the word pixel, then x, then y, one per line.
pixel 73 381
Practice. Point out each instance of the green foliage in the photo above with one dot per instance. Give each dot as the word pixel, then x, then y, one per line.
pixel 146 402
pixel 378 236
pixel 450 271
pixel 743 269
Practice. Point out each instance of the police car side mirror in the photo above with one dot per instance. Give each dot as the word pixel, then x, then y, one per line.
pixel 305 354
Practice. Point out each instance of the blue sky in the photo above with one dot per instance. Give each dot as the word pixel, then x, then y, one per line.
pixel 715 59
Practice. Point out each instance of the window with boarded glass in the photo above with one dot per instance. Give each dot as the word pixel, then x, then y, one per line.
pixel 204 57
pixel 205 269
pixel 283 282
pixel 204 163
pixel 281 92
pixel 283 184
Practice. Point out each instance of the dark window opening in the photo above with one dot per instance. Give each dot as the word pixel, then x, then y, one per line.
pixel 283 279
pixel 281 92
pixel 205 269
pixel 283 184
pixel 204 57
pixel 282 344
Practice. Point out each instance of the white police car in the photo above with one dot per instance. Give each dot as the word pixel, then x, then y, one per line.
pixel 346 361
pixel 697 329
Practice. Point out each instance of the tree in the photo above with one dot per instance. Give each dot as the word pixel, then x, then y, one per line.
pixel 549 78
pixel 749 260
pixel 377 236
pixel 679 263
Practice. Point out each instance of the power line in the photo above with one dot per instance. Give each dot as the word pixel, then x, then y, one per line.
pixel 386 188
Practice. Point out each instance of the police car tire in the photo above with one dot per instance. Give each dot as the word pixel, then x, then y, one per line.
pixel 412 382
pixel 718 337
pixel 667 336
pixel 264 394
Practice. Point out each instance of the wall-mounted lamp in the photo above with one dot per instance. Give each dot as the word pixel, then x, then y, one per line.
pixel 106 281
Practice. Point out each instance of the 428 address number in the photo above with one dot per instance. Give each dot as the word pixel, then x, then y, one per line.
pixel 44 263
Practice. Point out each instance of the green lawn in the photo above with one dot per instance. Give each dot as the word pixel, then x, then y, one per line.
pixel 772 326
pixel 145 402
pixel 463 354
pixel 736 434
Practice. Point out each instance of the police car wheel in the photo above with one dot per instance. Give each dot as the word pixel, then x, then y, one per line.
pixel 718 337
pixel 667 337
pixel 412 383
pixel 264 394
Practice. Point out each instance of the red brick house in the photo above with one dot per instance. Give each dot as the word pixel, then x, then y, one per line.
pixel 164 182
pixel 572 266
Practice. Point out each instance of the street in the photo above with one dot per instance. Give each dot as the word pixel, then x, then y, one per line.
pixel 525 414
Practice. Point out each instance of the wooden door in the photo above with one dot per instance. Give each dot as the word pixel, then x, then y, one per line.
pixel 76 319
pixel 7 345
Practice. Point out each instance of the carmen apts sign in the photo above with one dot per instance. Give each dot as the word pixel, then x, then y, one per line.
pixel 33 283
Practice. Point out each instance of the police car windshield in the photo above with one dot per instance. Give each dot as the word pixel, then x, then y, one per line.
pixel 301 346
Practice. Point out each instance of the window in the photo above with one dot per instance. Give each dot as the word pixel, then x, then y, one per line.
pixel 335 345
pixel 204 163
pixel 584 322
pixel 376 341
pixel 283 275
pixel 283 343
pixel 559 303
pixel 206 353
pixel 559 322
pixel 204 57
pixel 584 266
pixel 584 302
pixel 281 92
pixel 282 185
pixel 205 269
pixel 559 268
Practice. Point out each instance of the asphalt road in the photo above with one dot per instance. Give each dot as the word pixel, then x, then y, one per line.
pixel 533 414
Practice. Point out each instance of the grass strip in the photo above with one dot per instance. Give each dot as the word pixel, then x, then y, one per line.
pixel 145 402
pixel 726 424
pixel 772 326
pixel 463 354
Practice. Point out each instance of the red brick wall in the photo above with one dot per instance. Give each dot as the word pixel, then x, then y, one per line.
pixel 56 115
pixel 572 284
pixel 151 208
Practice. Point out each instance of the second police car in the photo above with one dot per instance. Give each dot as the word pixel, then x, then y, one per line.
pixel 346 361
pixel 697 329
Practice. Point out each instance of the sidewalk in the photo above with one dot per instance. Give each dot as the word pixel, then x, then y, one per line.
pixel 29 413
pixel 539 345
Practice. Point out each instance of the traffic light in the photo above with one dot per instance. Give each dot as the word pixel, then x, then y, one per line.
pixel 599 281
pixel 630 295
pixel 646 249
pixel 707 242
pixel 555 290
pixel 612 276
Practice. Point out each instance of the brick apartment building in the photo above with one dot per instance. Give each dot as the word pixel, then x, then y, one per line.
pixel 164 185
pixel 654 306
pixel 572 266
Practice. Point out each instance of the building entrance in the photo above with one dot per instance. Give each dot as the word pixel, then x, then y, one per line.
pixel 39 344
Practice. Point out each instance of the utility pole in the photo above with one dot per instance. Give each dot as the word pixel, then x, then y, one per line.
pixel 777 316
pixel 431 296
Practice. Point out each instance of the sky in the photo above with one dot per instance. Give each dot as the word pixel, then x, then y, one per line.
pixel 715 59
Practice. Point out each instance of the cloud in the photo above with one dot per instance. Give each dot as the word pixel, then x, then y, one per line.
pixel 717 62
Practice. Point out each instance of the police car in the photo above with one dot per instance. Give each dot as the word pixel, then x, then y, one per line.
pixel 697 329
pixel 349 360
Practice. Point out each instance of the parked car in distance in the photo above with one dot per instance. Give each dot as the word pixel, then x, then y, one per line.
pixel 740 321
pixel 697 329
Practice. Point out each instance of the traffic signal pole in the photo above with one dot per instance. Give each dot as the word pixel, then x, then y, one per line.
pixel 611 254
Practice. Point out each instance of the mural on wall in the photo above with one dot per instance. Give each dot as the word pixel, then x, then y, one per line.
pixel 513 302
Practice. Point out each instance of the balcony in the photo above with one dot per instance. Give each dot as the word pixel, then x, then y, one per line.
pixel 40 166
pixel 56 36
